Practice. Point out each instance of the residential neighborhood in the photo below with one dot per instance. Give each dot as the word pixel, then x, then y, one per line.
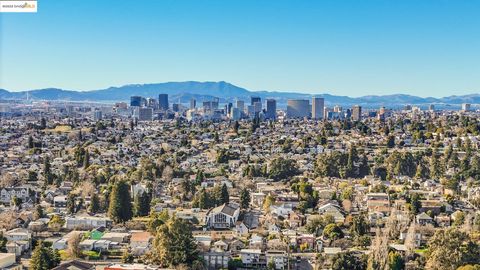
pixel 394 188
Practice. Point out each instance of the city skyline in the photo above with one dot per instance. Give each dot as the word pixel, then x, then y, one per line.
pixel 341 48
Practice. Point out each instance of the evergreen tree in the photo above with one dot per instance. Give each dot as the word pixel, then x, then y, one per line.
pixel 44 258
pixel 3 243
pixel 348 261
pixel 120 206
pixel 43 123
pixel 391 141
pixel 225 197
pixel 94 204
pixel 422 171
pixel 32 176
pixel 281 168
pixel 236 126
pixel 359 226
pixel 71 208
pixel 142 204
pixel 47 173
pixel 203 200
pixel 415 203
pixel 352 158
pixel 174 244
pixel 364 168
pixel 30 142
pixel 38 212
pixel 245 198
pixel 435 167
pixel 86 160
pixel 451 248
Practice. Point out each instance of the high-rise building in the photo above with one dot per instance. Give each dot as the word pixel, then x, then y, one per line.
pixel 193 103
pixel 163 102
pixel 357 113
pixel 210 105
pixel 257 107
pixel 235 114
pixel 240 104
pixel 135 101
pixel 251 111
pixel 466 107
pixel 298 108
pixel 317 107
pixel 228 108
pixel 97 115
pixel 152 103
pixel 326 110
pixel 175 107
pixel 253 100
pixel 431 107
pixel 145 114
pixel 271 112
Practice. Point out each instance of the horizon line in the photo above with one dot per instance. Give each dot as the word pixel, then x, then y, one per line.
pixel 221 81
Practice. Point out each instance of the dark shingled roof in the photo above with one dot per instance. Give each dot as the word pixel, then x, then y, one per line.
pixel 75 265
pixel 228 209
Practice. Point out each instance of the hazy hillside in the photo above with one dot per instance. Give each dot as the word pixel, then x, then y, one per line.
pixel 184 91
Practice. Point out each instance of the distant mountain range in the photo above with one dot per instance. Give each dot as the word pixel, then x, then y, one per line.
pixel 182 92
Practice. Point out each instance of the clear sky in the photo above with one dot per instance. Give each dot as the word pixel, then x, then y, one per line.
pixel 342 47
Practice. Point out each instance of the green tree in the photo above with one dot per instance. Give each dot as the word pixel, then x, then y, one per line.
pixel 157 219
pixel 43 123
pixel 71 207
pixel 30 142
pixel 415 203
pixel 435 167
pixel 38 212
pixel 451 248
pixel 363 168
pixel 269 201
pixel 422 171
pixel 245 198
pixel 359 226
pixel 44 258
pixel 391 141
pixel 56 222
pixel 32 176
pixel 469 267
pixel 348 261
pixel 281 168
pixel 127 256
pixel 120 207
pixel 224 196
pixel 142 204
pixel 332 232
pixel 86 160
pixel 3 243
pixel 47 173
pixel 94 204
pixel 174 244
pixel 395 261
pixel 16 201
pixel 203 200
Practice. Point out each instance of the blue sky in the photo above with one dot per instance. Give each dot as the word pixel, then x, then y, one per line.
pixel 342 47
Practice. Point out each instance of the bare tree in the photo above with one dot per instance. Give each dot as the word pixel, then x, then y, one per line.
pixel 377 259
pixel 74 250
pixel 410 238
